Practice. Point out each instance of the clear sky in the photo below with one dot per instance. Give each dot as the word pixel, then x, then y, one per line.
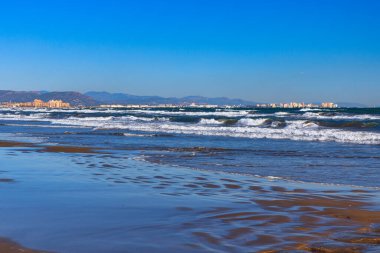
pixel 268 50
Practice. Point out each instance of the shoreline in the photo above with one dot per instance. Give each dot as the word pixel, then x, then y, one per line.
pixel 8 246
pixel 317 221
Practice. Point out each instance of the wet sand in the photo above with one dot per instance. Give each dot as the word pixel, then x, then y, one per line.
pixel 198 211
pixel 7 246
pixel 8 144
pixel 66 149
pixel 54 149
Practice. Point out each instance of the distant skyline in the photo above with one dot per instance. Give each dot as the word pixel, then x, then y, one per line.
pixel 265 51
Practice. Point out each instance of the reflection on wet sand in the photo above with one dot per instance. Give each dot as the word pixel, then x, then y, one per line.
pixel 251 214
pixel 268 216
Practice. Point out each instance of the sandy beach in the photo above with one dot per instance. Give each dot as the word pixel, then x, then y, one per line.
pixel 73 199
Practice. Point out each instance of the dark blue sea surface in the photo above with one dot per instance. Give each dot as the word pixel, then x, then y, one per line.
pixel 328 146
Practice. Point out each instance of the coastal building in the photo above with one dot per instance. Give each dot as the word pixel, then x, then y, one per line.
pixel 298 105
pixel 329 105
pixel 137 106
pixel 38 103
pixel 202 105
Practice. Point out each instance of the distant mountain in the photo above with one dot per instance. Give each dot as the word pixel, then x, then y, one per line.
pixel 94 98
pixel 74 98
pixel 122 98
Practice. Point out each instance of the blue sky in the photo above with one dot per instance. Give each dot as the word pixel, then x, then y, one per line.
pixel 268 50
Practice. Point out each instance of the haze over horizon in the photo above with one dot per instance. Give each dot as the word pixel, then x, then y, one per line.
pixel 265 51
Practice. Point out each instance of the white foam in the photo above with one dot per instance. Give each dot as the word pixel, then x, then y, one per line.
pixel 230 113
pixel 245 128
pixel 21 117
pixel 137 135
pixel 295 130
pixel 310 109
pixel 134 118
pixel 281 114
pixel 313 115
pixel 210 122
pixel 251 122
pixel 92 118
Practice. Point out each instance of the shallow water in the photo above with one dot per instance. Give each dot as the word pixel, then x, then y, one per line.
pixel 96 202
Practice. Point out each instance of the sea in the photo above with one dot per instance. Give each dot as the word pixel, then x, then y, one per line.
pixel 338 146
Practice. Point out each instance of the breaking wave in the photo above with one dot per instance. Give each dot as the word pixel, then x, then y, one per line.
pixel 294 130
pixel 334 116
pixel 304 126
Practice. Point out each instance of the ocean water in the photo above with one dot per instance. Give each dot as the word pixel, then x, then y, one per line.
pixel 322 146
